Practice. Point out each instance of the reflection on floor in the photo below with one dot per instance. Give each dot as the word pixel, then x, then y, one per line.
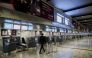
pixel 74 49
pixel 85 43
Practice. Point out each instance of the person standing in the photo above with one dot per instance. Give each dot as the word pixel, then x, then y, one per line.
pixel 42 42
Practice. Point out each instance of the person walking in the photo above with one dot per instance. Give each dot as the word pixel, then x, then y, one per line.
pixel 42 42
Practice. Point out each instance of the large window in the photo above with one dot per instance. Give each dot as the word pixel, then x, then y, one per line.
pixel 69 31
pixel 9 21
pixel 30 24
pixel 8 25
pixel 48 28
pixel 59 18
pixel 24 27
pixel 66 21
pixel 61 30
pixel 25 23
pixel 17 22
pixel 16 26
pixel 54 29
pixel 30 27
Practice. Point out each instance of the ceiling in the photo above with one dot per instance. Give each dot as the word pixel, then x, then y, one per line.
pixel 80 10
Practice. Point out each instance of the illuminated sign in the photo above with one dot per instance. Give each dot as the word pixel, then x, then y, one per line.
pixel 47 11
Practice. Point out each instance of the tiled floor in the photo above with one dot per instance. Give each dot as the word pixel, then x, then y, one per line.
pixel 74 49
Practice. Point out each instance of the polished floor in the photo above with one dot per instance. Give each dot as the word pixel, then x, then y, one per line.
pixel 81 48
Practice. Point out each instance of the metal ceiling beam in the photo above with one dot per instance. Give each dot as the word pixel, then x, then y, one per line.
pixel 86 19
pixel 82 19
pixel 86 22
pixel 83 6
pixel 74 16
pixel 89 23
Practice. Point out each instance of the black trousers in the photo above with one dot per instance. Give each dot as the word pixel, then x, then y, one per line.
pixel 42 48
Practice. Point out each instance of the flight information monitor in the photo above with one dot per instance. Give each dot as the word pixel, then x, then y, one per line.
pixel 33 7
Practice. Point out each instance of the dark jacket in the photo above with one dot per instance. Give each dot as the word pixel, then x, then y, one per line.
pixel 42 40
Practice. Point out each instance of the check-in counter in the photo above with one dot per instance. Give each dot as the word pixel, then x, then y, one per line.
pixel 1 45
pixel 31 42
pixel 10 44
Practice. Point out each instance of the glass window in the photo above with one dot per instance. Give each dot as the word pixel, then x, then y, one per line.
pixel 24 27
pixel 30 24
pixel 53 30
pixel 25 23
pixel 61 30
pixel 38 26
pixel 10 21
pixel 69 31
pixel 65 30
pixel 47 29
pixel 17 22
pixel 59 18
pixel 8 25
pixel 16 26
pixel 66 21
pixel 47 26
pixel 30 27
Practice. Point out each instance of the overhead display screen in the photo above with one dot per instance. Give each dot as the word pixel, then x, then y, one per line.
pixel 47 11
pixel 33 7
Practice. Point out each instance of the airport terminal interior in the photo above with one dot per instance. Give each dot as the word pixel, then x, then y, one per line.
pixel 45 28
